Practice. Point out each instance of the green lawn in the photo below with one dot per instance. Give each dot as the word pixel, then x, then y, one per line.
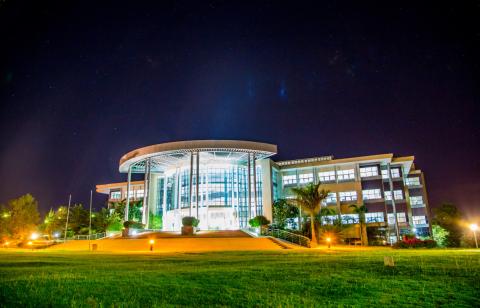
pixel 284 278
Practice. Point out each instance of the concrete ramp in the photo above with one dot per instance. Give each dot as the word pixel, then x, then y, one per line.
pixel 172 244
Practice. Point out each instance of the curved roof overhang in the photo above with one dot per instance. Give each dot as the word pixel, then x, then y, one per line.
pixel 170 154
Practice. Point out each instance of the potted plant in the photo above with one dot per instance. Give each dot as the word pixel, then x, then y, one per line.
pixel 258 222
pixel 188 225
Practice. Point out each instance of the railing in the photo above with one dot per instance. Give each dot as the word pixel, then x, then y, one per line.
pixel 287 236
pixel 89 237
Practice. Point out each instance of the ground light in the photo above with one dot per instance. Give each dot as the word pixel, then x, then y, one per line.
pixel 474 229
pixel 151 244
pixel 34 236
pixel 329 240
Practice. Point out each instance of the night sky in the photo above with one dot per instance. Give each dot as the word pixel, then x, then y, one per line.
pixel 83 82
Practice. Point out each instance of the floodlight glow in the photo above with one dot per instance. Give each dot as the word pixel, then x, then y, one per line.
pixel 34 236
pixel 152 242
pixel 56 234
pixel 474 227
pixel 30 243
pixel 7 243
pixel 328 239
pixel 134 232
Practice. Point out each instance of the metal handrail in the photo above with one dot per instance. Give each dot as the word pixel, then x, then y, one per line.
pixel 89 237
pixel 287 236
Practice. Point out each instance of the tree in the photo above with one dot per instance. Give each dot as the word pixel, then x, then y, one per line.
pixel 361 210
pixel 439 235
pixel 78 220
pixel 282 211
pixel 258 221
pixel 449 217
pixel 21 216
pixel 309 198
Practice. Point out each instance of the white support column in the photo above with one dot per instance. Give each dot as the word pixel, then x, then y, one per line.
pixel 127 205
pixel 164 207
pixel 198 180
pixel 255 196
pixel 190 185
pixel 146 184
pixel 249 180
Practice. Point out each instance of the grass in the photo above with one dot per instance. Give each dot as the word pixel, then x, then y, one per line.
pixel 283 278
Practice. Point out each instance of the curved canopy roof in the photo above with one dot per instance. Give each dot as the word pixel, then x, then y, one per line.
pixel 171 154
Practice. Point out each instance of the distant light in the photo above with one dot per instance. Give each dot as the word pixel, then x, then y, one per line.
pixel 152 242
pixel 7 243
pixel 30 243
pixel 328 239
pixel 414 230
pixel 6 215
pixel 34 236
pixel 474 227
pixel 56 234
pixel 134 232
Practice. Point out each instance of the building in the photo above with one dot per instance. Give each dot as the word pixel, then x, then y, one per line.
pixel 225 183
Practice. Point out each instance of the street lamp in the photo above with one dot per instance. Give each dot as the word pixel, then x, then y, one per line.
pixel 151 244
pixel 474 228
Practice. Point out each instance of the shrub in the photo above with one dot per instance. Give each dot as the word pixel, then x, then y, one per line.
pixel 409 242
pixel 258 221
pixel 189 221
pixel 133 225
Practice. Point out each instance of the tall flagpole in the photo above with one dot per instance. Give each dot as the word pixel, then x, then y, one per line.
pixel 68 213
pixel 90 224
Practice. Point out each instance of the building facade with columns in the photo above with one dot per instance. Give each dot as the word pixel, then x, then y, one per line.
pixel 225 183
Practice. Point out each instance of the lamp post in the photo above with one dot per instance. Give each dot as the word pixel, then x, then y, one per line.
pixel 151 244
pixel 474 228
pixel 329 241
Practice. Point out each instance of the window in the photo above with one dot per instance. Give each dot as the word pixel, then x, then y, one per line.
pixel 374 217
pixel 331 198
pixel 419 220
pixel 139 193
pixel 305 178
pixel 416 200
pixel 369 194
pixel 345 175
pixel 348 196
pixel 401 218
pixel 115 195
pixel 368 171
pixel 395 172
pixel 329 219
pixel 412 181
pixel 289 179
pixel 397 194
pixel 131 194
pixel 350 219
pixel 326 176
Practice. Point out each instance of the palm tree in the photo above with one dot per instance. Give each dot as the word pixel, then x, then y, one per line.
pixel 309 199
pixel 360 210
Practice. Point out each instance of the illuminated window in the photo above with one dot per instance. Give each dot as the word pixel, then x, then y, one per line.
pixel 398 195
pixel 368 171
pixel 350 219
pixel 345 175
pixel 412 181
pixel 419 220
pixel 374 217
pixel 329 219
pixel 348 196
pixel 331 198
pixel 401 218
pixel 139 193
pixel 370 194
pixel 289 179
pixel 115 195
pixel 305 178
pixel 416 200
pixel 326 176
pixel 395 172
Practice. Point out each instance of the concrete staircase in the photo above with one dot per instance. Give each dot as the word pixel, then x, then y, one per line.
pixel 177 244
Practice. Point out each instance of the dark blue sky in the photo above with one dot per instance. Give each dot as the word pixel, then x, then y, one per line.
pixel 84 82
